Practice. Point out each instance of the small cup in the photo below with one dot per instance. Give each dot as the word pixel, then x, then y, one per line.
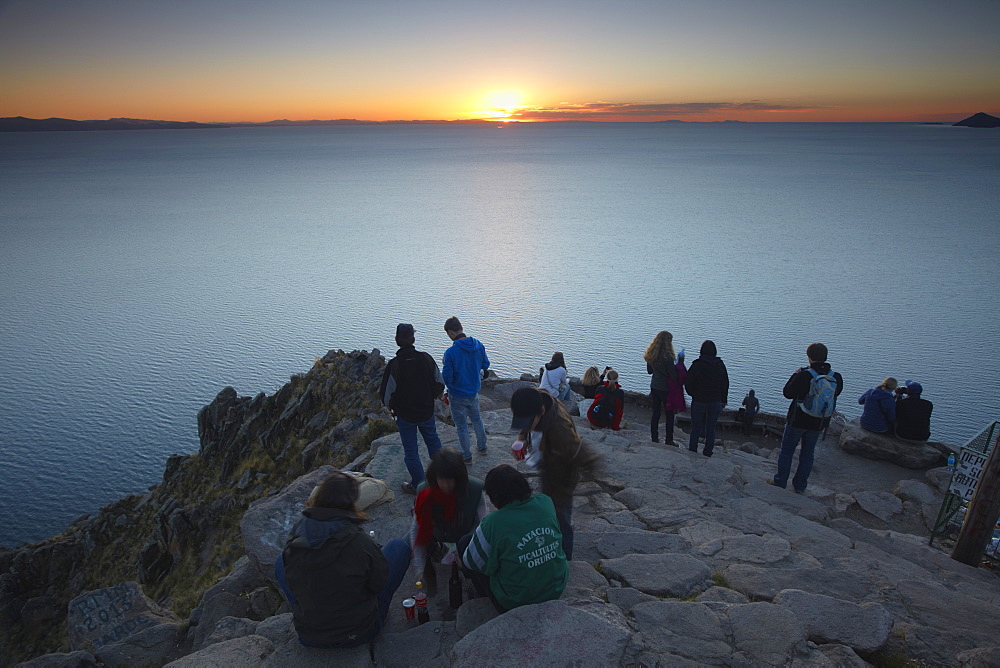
pixel 517 449
pixel 410 608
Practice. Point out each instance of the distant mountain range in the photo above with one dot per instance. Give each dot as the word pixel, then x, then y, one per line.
pixel 22 124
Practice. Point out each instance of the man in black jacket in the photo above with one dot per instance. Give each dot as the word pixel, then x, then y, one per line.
pixel 800 425
pixel 410 385
pixel 913 413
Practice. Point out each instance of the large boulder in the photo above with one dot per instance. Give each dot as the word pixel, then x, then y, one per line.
pixel 105 616
pixel 153 646
pixel 885 447
pixel 266 523
pixel 246 652
pixel 863 628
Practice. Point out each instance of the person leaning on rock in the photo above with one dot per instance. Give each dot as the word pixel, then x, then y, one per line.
pixel 546 428
pixel 410 385
pixel 913 413
pixel 515 556
pixel 335 577
pixel 465 367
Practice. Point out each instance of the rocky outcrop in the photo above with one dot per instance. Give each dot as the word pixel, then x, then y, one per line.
pixel 858 441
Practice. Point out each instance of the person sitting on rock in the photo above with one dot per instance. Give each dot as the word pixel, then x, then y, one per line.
pixel 592 380
pixel 601 414
pixel 555 378
pixel 515 556
pixel 880 407
pixel 335 577
pixel 913 413
pixel 449 504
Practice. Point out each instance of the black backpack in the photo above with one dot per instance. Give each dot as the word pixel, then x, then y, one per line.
pixel 602 411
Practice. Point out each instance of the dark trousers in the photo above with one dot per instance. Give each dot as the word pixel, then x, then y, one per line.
pixel 479 581
pixel 658 398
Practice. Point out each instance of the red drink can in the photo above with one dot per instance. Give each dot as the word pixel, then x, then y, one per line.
pixel 410 608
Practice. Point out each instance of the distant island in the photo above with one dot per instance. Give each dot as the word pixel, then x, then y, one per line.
pixel 980 120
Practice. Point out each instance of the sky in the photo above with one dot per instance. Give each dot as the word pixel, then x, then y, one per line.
pixel 614 60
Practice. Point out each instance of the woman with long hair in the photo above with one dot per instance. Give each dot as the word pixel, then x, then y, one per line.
pixel 335 577
pixel 449 504
pixel 592 380
pixel 615 401
pixel 555 379
pixel 666 387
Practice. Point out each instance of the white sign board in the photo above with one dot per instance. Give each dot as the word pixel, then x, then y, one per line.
pixel 968 470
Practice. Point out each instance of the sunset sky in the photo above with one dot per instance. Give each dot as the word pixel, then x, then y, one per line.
pixel 696 60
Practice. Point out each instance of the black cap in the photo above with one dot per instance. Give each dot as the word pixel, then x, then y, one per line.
pixel 525 404
pixel 404 330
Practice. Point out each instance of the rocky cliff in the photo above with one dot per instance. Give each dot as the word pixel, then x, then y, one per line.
pixel 177 539
pixel 680 559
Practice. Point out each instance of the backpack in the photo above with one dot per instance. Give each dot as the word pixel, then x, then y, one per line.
pixel 822 396
pixel 602 411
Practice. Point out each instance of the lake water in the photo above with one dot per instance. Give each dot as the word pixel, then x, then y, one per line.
pixel 142 272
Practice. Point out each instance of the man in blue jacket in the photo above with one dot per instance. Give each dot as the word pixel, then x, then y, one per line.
pixel 465 366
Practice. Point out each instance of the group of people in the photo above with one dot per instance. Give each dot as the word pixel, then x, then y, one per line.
pixel 897 409
pixel 339 582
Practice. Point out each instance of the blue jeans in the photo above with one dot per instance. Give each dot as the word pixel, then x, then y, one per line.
pixel 789 440
pixel 704 415
pixel 462 410
pixel 397 553
pixel 564 395
pixel 411 450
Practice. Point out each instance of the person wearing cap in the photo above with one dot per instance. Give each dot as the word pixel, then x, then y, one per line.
pixel 545 426
pixel 465 366
pixel 410 385
pixel 913 413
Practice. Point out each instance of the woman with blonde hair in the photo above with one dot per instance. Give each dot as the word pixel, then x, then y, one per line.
pixel 879 414
pixel 666 387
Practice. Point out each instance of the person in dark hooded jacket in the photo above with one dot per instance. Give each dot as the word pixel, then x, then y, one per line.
pixel 708 384
pixel 337 580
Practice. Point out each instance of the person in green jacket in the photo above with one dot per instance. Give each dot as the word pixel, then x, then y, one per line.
pixel 515 556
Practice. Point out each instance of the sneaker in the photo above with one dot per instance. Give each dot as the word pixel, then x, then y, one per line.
pixel 770 481
pixel 408 488
pixel 467 460
pixel 483 451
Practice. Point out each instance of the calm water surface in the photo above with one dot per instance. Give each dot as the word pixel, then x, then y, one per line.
pixel 144 271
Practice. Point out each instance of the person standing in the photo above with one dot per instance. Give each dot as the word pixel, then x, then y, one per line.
pixel 708 384
pixel 666 387
pixel 465 367
pixel 913 413
pixel 813 390
pixel 545 426
pixel 751 406
pixel 410 385
pixel 555 378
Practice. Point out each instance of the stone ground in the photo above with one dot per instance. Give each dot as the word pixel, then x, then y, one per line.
pixel 680 560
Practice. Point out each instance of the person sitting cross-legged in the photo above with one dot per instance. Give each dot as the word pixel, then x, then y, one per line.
pixel 515 556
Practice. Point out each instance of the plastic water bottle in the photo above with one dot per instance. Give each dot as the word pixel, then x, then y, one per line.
pixel 951 462
pixel 423 614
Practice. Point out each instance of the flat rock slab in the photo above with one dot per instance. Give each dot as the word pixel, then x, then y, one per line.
pixel 863 628
pixel 152 646
pixel 858 441
pixel 880 504
pixel 657 574
pixel 765 583
pixel 765 634
pixel 247 652
pixel 105 616
pixel 77 659
pixel 689 630
pixel 614 545
pixel 288 651
pixel 754 549
pixel 550 633
pixel 423 645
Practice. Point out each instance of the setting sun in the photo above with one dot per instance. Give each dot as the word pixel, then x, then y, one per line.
pixel 500 104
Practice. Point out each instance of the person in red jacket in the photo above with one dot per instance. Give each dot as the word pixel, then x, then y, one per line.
pixel 617 396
